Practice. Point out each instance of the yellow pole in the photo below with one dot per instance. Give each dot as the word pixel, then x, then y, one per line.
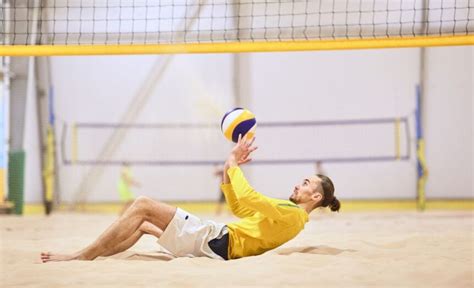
pixel 422 180
pixel 49 172
pixel 2 185
pixel 235 47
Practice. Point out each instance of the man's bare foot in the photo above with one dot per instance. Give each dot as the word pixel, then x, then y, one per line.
pixel 48 257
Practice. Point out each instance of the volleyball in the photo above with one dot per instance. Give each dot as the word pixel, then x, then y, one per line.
pixel 238 121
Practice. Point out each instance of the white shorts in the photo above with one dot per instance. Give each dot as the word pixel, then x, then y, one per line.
pixel 188 236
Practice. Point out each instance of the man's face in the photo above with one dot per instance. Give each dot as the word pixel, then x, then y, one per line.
pixel 307 190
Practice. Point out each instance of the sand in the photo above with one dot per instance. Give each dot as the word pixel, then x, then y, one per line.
pixel 391 249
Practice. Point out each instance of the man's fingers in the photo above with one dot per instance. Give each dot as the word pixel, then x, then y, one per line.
pixel 251 141
pixel 243 148
pixel 246 155
pixel 245 161
pixel 250 150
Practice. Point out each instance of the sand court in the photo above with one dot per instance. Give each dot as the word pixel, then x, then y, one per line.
pixel 356 249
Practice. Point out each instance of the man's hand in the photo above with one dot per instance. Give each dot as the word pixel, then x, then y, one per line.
pixel 241 151
pixel 239 155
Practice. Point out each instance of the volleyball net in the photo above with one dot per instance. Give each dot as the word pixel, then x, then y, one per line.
pixel 79 27
pixel 187 144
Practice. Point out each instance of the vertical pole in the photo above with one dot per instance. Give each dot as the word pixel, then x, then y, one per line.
pixel 74 144
pixel 422 172
pixel 3 124
pixel 397 138
pixel 5 105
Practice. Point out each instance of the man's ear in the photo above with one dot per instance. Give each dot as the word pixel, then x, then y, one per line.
pixel 317 197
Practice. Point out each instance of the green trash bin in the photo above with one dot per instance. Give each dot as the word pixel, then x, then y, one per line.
pixel 16 179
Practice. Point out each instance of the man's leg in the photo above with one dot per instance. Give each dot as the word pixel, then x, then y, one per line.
pixel 125 207
pixel 126 229
pixel 145 228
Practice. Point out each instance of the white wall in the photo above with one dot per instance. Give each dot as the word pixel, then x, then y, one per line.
pixel 100 89
pixel 337 86
pixel 449 122
pixel 282 87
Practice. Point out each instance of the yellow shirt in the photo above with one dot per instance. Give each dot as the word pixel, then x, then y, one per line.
pixel 266 222
pixel 123 185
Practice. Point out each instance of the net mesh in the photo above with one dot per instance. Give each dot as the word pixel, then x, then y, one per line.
pixel 168 144
pixel 135 22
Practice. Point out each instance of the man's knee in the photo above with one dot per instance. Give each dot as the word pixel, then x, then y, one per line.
pixel 144 203
pixel 141 199
pixel 158 213
pixel 141 202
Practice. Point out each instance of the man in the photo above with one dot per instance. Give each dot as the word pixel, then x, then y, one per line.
pixel 265 222
pixel 124 184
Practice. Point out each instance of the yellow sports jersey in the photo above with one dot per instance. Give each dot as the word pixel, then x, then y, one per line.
pixel 123 186
pixel 266 222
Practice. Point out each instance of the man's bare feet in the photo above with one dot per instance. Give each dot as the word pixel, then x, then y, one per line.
pixel 48 257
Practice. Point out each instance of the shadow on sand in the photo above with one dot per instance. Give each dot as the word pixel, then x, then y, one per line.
pixel 322 250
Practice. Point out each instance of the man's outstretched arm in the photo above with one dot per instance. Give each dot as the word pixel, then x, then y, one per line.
pixel 226 187
pixel 245 195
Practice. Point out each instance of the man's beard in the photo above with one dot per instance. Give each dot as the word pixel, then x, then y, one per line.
pixel 292 199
